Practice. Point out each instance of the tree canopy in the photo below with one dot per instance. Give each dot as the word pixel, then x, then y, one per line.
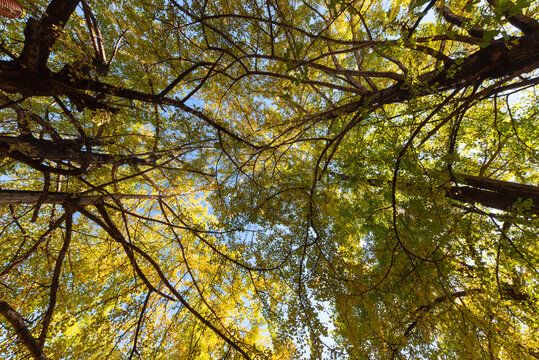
pixel 269 179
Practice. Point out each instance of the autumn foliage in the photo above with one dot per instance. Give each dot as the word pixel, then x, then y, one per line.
pixel 269 179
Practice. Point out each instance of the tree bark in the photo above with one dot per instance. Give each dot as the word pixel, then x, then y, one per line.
pixel 497 60
pixel 65 151
pixel 471 189
pixel 496 194
pixel 32 197
pixel 41 35
pixel 17 321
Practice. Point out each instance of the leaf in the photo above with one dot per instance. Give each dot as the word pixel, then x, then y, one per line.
pixel 268 181
pixel 414 4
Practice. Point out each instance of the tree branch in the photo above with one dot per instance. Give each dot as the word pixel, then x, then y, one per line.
pixel 56 277
pixel 462 22
pixel 524 23
pixel 32 197
pixel 17 321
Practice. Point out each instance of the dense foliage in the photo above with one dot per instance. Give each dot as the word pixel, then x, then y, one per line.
pixel 269 179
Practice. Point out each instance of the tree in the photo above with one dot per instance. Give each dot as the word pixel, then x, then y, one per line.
pixel 250 179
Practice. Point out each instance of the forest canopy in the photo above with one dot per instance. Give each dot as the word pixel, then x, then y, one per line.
pixel 269 179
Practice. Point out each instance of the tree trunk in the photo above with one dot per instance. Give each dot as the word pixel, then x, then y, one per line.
pixel 65 151
pixel 496 194
pixel 33 197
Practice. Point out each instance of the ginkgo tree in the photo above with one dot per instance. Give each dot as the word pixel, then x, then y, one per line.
pixel 269 179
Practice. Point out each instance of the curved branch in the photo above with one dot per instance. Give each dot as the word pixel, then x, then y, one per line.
pixel 115 233
pixel 462 22
pixel 56 278
pixel 423 309
pixel 17 321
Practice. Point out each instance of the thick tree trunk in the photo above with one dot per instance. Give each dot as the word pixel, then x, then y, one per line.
pixel 492 193
pixel 65 151
pixel 496 194
pixel 33 197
